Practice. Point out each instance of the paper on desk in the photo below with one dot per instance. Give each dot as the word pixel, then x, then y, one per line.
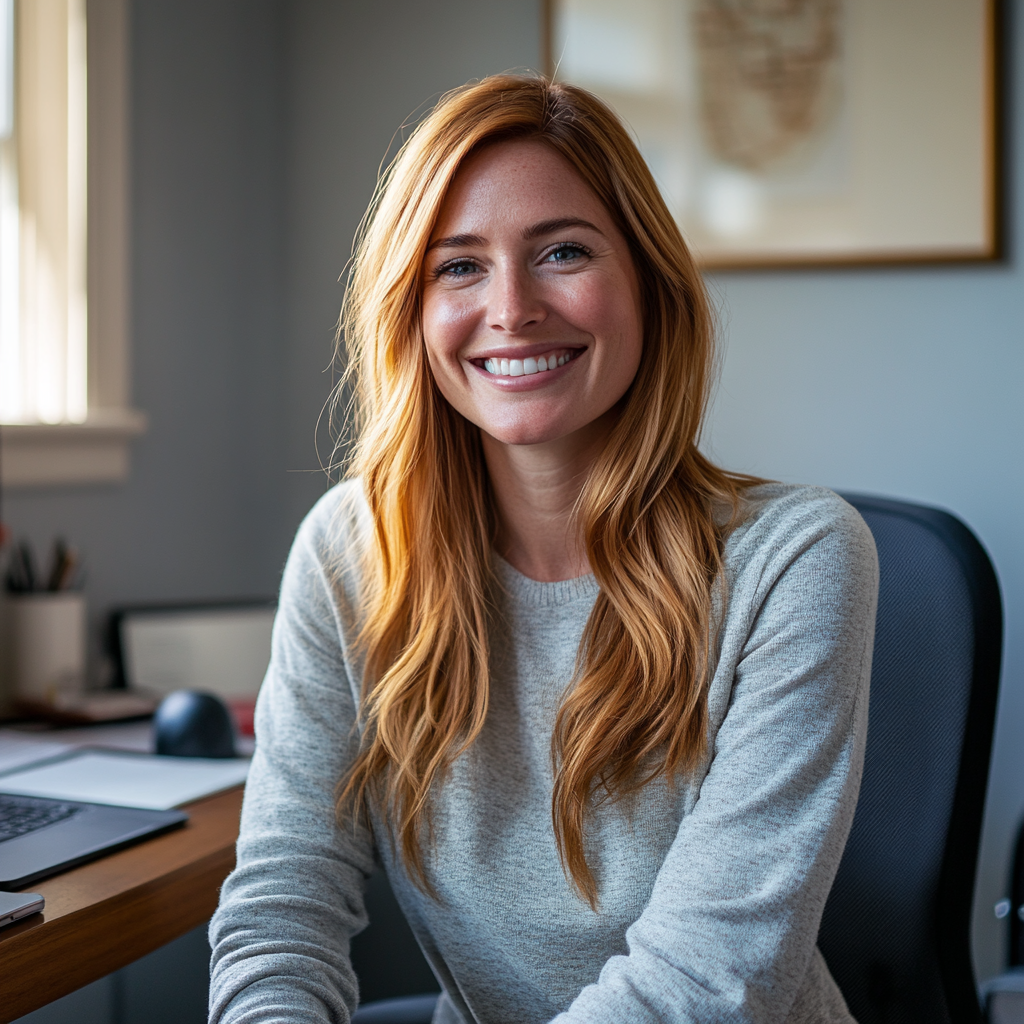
pixel 128 780
pixel 18 749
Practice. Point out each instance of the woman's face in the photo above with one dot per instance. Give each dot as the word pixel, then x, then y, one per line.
pixel 531 310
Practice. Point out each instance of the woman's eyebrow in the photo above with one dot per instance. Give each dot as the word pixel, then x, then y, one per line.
pixel 456 242
pixel 546 227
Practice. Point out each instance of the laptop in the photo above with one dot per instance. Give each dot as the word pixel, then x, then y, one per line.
pixel 40 836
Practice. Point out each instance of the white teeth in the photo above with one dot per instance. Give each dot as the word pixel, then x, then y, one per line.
pixel 526 367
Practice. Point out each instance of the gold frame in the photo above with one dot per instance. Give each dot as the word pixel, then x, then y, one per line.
pixel 994 247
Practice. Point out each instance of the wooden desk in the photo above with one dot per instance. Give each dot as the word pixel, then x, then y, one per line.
pixel 105 914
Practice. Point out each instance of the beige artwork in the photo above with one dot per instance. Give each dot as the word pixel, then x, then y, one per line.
pixel 768 73
pixel 803 131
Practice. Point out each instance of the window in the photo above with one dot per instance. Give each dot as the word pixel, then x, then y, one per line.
pixel 63 242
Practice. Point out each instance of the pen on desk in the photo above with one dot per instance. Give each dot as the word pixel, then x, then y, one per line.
pixel 21 573
pixel 69 576
pixel 12 579
pixel 60 551
pixel 65 562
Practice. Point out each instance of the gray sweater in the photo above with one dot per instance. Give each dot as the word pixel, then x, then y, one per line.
pixel 710 892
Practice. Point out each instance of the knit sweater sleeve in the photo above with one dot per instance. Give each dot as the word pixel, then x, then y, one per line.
pixel 287 912
pixel 729 932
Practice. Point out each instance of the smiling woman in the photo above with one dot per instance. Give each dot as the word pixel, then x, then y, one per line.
pixel 597 704
pixel 511 281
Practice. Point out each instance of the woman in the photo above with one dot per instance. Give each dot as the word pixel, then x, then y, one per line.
pixel 597 705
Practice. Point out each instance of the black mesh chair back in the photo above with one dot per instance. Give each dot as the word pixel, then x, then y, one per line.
pixel 896 929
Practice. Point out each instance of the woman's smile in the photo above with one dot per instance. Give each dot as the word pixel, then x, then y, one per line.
pixel 500 366
pixel 517 370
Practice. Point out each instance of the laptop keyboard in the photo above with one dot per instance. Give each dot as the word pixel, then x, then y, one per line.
pixel 20 815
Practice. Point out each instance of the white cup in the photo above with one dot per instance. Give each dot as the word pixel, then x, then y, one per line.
pixel 46 635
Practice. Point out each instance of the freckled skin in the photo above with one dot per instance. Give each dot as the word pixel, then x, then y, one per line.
pixel 497 285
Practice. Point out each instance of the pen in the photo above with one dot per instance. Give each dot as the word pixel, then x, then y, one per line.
pixel 21 573
pixel 64 563
pixel 68 568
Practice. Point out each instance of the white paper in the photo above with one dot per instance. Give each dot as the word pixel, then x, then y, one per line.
pixel 18 749
pixel 127 780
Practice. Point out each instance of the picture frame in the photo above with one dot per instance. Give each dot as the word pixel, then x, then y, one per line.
pixel 803 132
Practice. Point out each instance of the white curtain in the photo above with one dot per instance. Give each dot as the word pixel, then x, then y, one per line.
pixel 43 306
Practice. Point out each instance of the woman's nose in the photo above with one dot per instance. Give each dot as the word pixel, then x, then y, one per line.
pixel 514 302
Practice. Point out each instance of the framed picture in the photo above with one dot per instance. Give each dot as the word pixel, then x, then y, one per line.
pixel 802 132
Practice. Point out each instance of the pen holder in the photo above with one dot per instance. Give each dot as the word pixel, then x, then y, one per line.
pixel 46 641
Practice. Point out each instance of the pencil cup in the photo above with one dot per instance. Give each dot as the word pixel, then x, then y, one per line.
pixel 46 633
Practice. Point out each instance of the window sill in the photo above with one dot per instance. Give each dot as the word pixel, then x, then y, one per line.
pixel 50 454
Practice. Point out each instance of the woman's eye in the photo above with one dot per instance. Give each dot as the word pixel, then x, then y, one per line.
pixel 459 268
pixel 567 252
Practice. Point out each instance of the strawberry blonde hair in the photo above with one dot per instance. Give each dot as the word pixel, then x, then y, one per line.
pixel 637 706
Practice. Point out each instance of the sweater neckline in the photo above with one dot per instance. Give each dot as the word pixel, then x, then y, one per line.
pixel 538 594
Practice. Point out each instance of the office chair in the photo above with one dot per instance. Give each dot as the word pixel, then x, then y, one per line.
pixel 896 929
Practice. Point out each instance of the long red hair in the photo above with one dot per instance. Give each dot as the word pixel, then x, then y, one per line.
pixel 650 513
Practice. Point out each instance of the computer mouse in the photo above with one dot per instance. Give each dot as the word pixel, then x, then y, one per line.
pixel 193 724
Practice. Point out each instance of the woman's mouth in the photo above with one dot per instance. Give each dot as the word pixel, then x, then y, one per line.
pixel 531 364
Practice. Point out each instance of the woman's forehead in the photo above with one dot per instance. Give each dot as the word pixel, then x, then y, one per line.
pixel 515 183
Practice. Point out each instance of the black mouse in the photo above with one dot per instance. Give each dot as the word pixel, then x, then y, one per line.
pixel 193 724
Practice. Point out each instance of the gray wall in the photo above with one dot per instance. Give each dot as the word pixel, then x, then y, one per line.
pixel 259 127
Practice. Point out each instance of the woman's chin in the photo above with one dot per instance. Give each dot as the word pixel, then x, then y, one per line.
pixel 521 435
pixel 522 438
pixel 536 434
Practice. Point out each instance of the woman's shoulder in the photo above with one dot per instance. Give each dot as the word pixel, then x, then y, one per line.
pixel 333 536
pixel 775 502
pixel 776 522
pixel 339 519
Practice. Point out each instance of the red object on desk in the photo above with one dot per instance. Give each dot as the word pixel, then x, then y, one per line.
pixel 243 710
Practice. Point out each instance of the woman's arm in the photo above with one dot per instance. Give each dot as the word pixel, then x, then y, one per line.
pixel 287 912
pixel 731 927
